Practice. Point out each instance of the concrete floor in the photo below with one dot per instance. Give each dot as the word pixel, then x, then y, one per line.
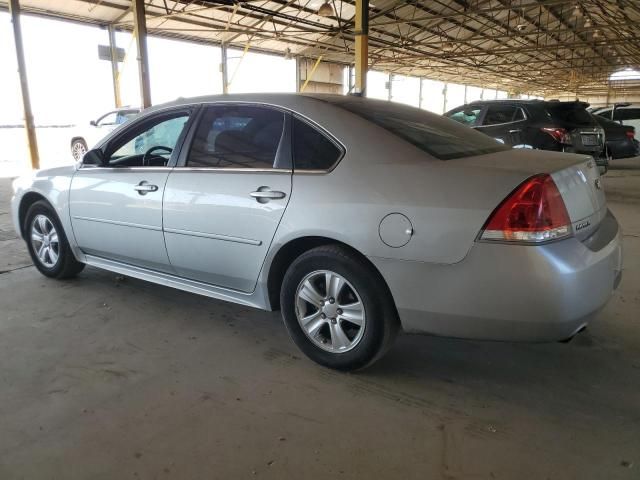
pixel 110 378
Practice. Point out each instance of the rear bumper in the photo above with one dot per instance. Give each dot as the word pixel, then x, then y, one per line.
pixel 510 292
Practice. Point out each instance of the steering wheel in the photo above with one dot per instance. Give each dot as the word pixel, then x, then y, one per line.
pixel 147 154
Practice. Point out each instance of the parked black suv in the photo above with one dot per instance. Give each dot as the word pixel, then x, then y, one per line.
pixel 546 125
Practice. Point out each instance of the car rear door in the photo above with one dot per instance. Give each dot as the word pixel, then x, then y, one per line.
pixel 504 122
pixel 225 199
pixel 116 208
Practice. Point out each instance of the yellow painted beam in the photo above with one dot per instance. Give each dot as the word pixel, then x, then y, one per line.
pixel 14 9
pixel 310 76
pixel 235 70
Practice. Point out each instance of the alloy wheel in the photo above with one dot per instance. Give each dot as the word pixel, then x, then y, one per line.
pixel 78 150
pixel 330 311
pixel 44 240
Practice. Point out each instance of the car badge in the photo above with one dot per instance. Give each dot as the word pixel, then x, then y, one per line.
pixel 598 183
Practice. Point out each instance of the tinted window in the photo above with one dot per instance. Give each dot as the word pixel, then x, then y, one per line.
pixel 431 133
pixel 237 137
pixel 627 114
pixel 571 113
pixel 468 116
pixel 312 150
pixel 500 114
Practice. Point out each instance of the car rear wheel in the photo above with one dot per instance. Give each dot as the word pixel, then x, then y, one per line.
pixel 78 149
pixel 337 309
pixel 47 243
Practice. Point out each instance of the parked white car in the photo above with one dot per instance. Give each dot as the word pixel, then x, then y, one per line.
pixel 89 135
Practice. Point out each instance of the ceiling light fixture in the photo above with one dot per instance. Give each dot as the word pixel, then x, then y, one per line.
pixel 325 10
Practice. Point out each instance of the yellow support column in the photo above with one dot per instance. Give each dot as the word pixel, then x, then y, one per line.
pixel 362 46
pixel 14 9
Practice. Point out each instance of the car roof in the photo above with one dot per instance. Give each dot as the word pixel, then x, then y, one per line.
pixel 527 102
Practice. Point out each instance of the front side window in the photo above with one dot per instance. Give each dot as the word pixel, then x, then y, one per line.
pixel 312 150
pixel 149 145
pixel 467 116
pixel 237 137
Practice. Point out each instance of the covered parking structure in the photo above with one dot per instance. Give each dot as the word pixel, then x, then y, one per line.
pixel 546 48
pixel 108 376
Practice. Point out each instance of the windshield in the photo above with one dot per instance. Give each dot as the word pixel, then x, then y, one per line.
pixel 436 135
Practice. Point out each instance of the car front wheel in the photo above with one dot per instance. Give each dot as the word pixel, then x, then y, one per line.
pixel 47 243
pixel 337 308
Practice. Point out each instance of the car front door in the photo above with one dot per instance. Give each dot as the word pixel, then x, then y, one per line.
pixel 225 199
pixel 116 207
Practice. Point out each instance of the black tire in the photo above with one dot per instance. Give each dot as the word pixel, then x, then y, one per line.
pixel 381 326
pixel 66 265
pixel 78 145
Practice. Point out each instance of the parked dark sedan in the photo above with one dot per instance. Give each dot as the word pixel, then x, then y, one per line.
pixel 620 140
pixel 545 125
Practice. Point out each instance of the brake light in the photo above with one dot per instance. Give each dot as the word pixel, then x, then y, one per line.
pixel 559 134
pixel 534 212
pixel 630 134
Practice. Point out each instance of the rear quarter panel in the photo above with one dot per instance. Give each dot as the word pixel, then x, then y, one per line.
pixel 447 202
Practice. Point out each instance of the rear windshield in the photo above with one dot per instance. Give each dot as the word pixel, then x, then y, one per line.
pixel 571 113
pixel 627 114
pixel 436 135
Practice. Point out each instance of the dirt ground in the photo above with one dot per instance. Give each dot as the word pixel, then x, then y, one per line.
pixel 105 377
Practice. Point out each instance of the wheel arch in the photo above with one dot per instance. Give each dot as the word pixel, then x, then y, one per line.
pixel 77 137
pixel 291 250
pixel 27 200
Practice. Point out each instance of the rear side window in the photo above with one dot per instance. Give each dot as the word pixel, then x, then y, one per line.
pixel 570 113
pixel 312 150
pixel 433 134
pixel 237 137
pixel 468 116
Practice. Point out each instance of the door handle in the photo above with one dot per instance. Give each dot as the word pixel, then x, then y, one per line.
pixel 143 188
pixel 264 194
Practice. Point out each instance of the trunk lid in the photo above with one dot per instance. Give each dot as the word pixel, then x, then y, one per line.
pixel 583 194
pixel 576 176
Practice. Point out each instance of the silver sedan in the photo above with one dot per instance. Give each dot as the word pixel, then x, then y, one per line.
pixel 356 218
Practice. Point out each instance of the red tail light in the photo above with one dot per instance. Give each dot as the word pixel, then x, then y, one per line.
pixel 534 212
pixel 630 134
pixel 559 134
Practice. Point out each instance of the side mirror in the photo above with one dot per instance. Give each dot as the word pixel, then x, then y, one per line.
pixel 93 157
pixel 93 123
